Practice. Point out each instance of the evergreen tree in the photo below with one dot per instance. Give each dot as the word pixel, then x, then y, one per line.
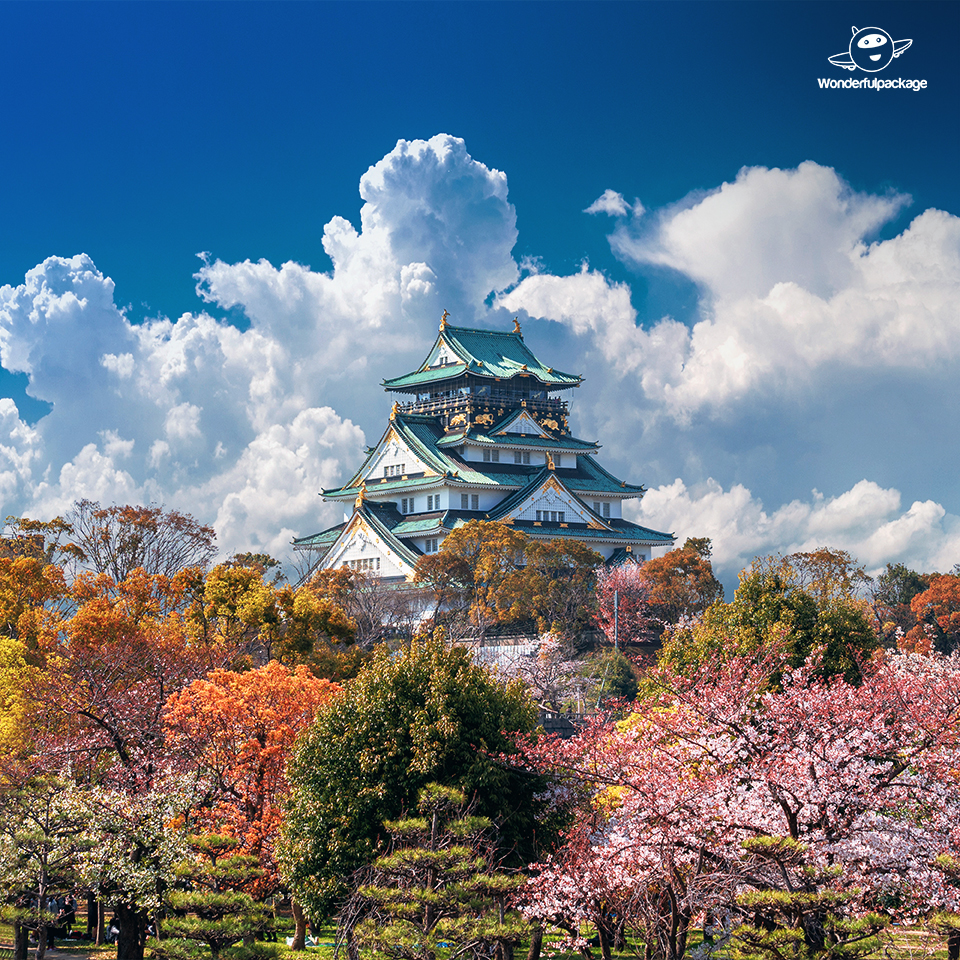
pixel 215 909
pixel 438 888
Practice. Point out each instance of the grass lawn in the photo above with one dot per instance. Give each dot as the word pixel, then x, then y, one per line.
pixel 899 943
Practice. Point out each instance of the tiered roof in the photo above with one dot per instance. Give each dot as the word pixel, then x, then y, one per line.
pixel 488 354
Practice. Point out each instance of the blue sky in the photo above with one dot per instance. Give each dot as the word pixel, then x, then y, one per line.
pixel 143 134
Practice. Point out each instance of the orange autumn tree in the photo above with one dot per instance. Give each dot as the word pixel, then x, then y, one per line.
pixel 234 733
pixel 937 610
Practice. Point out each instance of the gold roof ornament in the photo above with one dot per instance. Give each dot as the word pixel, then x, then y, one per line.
pixel 443 320
pixel 550 464
pixel 394 409
pixel 361 496
pixel 516 326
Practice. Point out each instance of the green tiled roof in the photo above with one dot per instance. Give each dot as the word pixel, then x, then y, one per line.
pixel 412 527
pixel 518 440
pixel 490 354
pixel 590 477
pixel 621 530
pixel 318 540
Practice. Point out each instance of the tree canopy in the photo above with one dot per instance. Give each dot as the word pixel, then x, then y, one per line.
pixel 426 714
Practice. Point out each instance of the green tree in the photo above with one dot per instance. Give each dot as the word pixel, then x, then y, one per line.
pixel 428 714
pixel 437 888
pixel 805 602
pixel 611 675
pixel 215 910
pixel 799 910
pixel 42 835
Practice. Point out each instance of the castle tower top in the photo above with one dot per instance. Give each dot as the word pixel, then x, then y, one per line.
pixel 483 355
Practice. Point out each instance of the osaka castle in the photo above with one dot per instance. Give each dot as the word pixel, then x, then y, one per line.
pixel 479 431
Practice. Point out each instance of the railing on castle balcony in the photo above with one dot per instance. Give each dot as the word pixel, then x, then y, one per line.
pixel 445 404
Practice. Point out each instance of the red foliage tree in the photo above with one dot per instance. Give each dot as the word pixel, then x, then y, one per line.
pixel 938 610
pixel 234 732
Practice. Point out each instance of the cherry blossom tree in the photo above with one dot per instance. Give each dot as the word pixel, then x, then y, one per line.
pixel 722 790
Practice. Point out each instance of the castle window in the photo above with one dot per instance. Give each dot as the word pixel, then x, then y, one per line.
pixel 606 511
pixel 596 506
pixel 491 456
pixel 464 501
pixel 474 501
pixel 561 515
pixel 406 505
pixel 431 546
pixel 521 456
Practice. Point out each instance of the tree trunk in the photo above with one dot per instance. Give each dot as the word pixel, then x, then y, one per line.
pixel 93 910
pixel 300 933
pixel 953 945
pixel 100 938
pixel 536 943
pixel 19 942
pixel 133 932
pixel 603 935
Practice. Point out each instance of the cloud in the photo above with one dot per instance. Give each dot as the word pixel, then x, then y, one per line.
pixel 803 226
pixel 867 520
pixel 613 205
pixel 790 289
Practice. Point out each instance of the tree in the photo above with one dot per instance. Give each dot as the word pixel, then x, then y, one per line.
pixel 374 607
pixel 437 888
pixel 803 602
pixel 555 588
pixel 115 540
pixel 135 842
pixel 42 831
pixel 890 596
pixel 474 575
pixel 552 679
pixel 233 733
pixel 15 735
pixel 622 604
pixel 237 608
pixel 106 671
pixel 215 909
pixel 427 714
pixel 798 810
pixel 611 677
pixel 680 584
pixel 938 608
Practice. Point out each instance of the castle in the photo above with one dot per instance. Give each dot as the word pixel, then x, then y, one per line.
pixel 479 432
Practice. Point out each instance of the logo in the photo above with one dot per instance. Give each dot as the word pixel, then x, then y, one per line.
pixel 871 49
